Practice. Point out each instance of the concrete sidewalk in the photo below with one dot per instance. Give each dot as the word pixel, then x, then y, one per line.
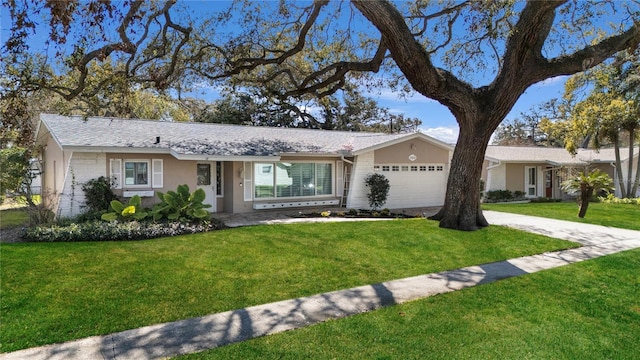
pixel 207 332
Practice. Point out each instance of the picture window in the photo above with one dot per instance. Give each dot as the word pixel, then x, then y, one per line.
pixel 136 173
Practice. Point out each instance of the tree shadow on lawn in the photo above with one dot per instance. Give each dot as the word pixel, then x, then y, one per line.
pixel 215 330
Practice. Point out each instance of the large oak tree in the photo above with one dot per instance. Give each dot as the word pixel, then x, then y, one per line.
pixel 474 57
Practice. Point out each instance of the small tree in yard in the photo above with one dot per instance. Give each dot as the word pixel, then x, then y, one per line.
pixel 378 186
pixel 586 185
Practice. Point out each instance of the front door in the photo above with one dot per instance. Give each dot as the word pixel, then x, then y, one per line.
pixel 206 182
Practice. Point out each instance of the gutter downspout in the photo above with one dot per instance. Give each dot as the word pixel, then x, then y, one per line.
pixel 343 200
pixel 345 160
pixel 616 191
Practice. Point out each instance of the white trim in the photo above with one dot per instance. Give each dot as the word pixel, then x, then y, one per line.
pixel 282 205
pixel 223 158
pixel 157 176
pixel 115 173
pixel 141 193
pixel 417 135
pixel 248 180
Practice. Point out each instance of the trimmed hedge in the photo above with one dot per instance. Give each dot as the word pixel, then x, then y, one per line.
pixel 115 231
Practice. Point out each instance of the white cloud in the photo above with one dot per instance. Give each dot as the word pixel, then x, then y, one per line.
pixel 394 96
pixel 553 81
pixel 448 134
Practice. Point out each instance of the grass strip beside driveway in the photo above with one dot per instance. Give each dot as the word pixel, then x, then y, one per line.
pixel 624 216
pixel 56 292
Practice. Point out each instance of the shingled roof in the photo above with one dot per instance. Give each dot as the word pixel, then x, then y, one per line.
pixel 184 139
pixel 554 156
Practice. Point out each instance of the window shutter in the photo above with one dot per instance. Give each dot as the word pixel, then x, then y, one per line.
pixel 340 178
pixel 157 175
pixel 248 184
pixel 115 169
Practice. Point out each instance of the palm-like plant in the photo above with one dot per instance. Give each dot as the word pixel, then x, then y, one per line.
pixel 586 184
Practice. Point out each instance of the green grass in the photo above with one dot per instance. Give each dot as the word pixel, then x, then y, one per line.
pixel 13 217
pixel 55 292
pixel 589 310
pixel 625 216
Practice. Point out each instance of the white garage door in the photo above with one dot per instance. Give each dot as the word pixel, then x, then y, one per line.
pixel 414 185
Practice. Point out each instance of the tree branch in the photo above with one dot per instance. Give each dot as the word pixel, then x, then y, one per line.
pixel 413 60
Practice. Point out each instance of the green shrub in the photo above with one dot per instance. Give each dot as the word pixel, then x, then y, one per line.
pixel 378 186
pixel 115 230
pixel 122 212
pixel 518 195
pixel 98 194
pixel 545 200
pixel 612 199
pixel 181 205
pixel 499 195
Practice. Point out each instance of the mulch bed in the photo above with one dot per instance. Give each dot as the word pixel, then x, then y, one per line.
pixel 11 235
pixel 360 214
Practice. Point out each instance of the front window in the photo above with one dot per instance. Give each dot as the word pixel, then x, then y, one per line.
pixel 219 178
pixel 204 174
pixel 136 173
pixel 283 180
pixel 531 181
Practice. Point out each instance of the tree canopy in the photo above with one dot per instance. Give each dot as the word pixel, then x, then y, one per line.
pixel 474 57
pixel 601 108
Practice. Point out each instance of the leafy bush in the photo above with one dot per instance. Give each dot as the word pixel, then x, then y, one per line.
pixel 181 205
pixel 378 186
pixel 122 212
pixel 612 199
pixel 519 195
pixel 98 194
pixel 499 195
pixel 503 196
pixel 545 200
pixel 115 230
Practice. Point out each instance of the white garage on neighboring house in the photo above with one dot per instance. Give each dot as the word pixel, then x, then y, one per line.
pixel 241 168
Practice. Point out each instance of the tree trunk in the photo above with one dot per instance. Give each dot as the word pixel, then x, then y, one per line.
pixel 630 192
pixel 637 178
pixel 461 208
pixel 585 195
pixel 623 192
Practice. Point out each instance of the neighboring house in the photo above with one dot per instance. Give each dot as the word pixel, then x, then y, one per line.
pixel 241 168
pixel 540 171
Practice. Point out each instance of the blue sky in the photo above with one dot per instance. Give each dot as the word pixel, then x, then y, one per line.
pixel 436 118
pixel 438 121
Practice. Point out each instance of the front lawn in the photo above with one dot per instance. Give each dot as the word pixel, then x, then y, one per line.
pixel 54 292
pixel 589 310
pixel 626 216
pixel 13 217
